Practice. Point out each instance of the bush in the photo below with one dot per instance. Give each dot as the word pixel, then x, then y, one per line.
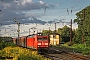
pixel 6 44
pixel 9 44
pixel 19 53
pixel 2 45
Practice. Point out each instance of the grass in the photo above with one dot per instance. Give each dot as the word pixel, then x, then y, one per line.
pixel 81 48
pixel 76 48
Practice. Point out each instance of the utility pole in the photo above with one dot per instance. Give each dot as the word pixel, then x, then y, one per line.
pixel 55 27
pixel 49 29
pixel 71 33
pixel 18 28
pixel 0 30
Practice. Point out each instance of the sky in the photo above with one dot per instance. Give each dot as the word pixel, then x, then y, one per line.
pixel 44 10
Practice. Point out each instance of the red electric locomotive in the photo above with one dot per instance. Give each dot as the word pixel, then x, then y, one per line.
pixel 38 41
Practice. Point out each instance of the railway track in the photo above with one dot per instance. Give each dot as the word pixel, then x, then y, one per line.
pixel 56 54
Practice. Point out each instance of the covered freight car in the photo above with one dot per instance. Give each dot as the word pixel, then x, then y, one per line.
pixel 22 41
pixel 54 38
pixel 14 40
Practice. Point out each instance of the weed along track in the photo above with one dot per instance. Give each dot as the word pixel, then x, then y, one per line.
pixel 55 54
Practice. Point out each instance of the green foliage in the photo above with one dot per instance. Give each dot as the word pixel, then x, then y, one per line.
pixel 77 48
pixel 59 30
pixel 77 37
pixel 83 19
pixel 2 45
pixel 81 48
pixel 45 32
pixel 24 57
pixel 65 34
pixel 87 40
pixel 6 44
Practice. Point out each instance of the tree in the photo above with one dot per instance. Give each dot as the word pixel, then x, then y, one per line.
pixel 45 32
pixel 59 30
pixel 83 19
pixel 65 34
pixel 77 36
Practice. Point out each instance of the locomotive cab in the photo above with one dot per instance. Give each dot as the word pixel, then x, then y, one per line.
pixel 42 42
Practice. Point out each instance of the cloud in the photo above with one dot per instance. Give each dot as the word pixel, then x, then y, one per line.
pixel 8 30
pixel 41 2
pixel 20 9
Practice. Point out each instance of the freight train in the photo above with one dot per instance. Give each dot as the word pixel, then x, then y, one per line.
pixel 37 41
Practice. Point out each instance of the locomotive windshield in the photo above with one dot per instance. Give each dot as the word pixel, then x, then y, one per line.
pixel 39 38
pixel 43 38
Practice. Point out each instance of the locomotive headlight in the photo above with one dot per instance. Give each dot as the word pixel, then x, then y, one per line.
pixel 38 46
pixel 39 43
pixel 39 34
pixel 46 43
